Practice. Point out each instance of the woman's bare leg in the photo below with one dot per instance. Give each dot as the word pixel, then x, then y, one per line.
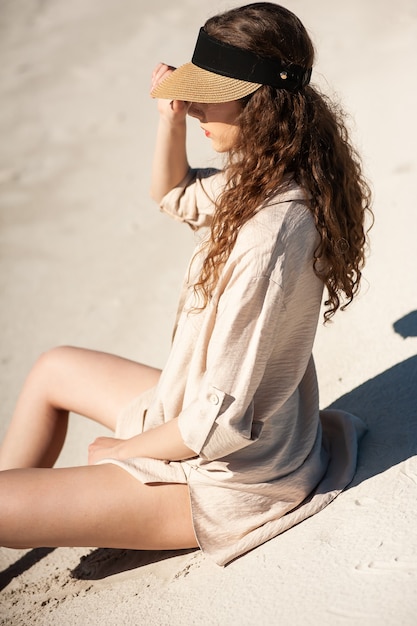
pixel 94 506
pixel 94 384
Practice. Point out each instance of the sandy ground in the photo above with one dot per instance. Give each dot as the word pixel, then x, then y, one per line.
pixel 87 259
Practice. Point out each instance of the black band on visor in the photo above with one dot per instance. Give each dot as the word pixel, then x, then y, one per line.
pixel 227 60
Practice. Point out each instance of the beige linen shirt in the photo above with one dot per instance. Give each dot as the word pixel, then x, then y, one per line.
pixel 240 377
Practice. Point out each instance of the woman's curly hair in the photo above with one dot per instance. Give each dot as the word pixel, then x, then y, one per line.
pixel 300 134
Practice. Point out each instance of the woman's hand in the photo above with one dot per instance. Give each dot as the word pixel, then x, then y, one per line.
pixel 103 448
pixel 174 110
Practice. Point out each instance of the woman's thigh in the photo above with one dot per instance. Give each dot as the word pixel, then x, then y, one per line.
pixel 93 506
pixel 94 384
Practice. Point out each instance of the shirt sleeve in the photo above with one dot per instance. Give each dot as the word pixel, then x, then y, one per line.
pixel 220 421
pixel 193 200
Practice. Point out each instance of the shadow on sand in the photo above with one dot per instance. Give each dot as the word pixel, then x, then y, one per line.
pixel 386 403
pixel 388 406
pixel 104 562
pixel 407 325
pixel 27 561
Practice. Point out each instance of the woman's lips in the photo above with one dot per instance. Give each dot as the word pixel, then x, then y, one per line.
pixel 207 134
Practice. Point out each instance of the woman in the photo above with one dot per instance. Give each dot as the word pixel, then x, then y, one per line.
pixel 226 447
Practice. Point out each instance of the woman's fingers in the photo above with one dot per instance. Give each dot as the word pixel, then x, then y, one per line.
pixel 102 448
pixel 174 109
pixel 161 71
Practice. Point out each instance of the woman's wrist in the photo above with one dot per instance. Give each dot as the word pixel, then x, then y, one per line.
pixel 127 448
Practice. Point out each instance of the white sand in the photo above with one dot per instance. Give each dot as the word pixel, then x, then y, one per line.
pixel 86 259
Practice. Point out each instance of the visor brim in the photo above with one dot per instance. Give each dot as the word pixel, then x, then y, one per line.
pixel 191 83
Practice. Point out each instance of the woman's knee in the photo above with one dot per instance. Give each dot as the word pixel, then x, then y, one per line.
pixel 52 360
pixel 49 368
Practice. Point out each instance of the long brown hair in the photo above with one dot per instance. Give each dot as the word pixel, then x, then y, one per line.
pixel 281 133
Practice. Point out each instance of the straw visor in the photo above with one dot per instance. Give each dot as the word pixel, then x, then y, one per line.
pixel 221 72
pixel 194 84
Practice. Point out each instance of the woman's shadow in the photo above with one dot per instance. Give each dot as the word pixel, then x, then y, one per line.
pixel 386 403
pixel 388 406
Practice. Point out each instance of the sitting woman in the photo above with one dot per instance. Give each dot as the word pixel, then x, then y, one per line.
pixel 226 447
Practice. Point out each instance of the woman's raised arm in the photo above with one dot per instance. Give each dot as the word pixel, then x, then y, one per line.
pixel 170 163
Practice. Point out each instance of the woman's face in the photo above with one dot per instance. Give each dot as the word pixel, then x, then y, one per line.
pixel 218 121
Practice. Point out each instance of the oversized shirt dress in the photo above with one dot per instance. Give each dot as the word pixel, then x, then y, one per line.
pixel 241 380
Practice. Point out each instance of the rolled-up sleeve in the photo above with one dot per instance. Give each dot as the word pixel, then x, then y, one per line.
pixel 193 200
pixel 220 420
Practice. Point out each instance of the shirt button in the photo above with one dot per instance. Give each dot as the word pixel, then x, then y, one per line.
pixel 214 399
